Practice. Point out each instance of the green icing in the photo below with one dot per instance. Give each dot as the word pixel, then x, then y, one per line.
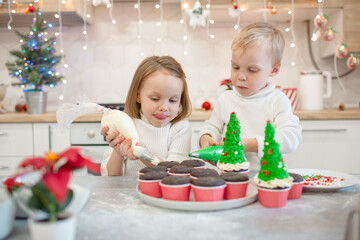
pixel 233 150
pixel 271 163
pixel 210 153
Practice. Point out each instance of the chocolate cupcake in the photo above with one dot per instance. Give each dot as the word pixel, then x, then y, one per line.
pixel 209 188
pixel 203 173
pixel 180 170
pixel 153 169
pixel 209 182
pixel 193 163
pixel 175 180
pixel 168 164
pixel 234 177
pixel 297 177
pixel 176 188
pixel 153 175
pixel 297 187
pixel 236 185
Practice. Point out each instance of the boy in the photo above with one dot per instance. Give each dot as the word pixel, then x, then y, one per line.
pixel 256 56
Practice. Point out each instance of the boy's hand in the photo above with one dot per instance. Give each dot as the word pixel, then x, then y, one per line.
pixel 206 140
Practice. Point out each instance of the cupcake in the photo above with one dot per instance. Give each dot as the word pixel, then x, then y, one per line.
pixel 176 188
pixel 152 169
pixel 168 164
pixel 180 170
pixel 236 185
pixel 273 180
pixel 149 183
pixel 297 187
pixel 209 188
pixel 203 173
pixel 233 158
pixel 194 163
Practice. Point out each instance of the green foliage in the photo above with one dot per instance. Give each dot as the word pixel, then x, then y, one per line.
pixel 43 200
pixel 35 60
pixel 233 150
pixel 272 165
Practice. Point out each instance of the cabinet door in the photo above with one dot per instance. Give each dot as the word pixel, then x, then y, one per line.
pixel 8 165
pixel 196 127
pixel 16 139
pixel 47 136
pixel 328 144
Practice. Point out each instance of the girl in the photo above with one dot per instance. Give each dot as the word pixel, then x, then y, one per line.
pixel 158 102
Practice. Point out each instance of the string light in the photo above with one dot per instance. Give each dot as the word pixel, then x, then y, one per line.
pixel 111 7
pixel 186 38
pixel 140 22
pixel 159 23
pixel 10 15
pixel 292 44
pixel 242 9
pixel 63 64
pixel 85 24
pixel 212 36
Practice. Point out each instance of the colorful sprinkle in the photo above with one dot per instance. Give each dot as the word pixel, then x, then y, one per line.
pixel 321 180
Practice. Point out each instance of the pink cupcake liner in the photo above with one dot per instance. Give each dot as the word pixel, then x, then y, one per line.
pixel 235 190
pixel 243 172
pixel 273 198
pixel 205 194
pixel 150 187
pixel 200 167
pixel 296 190
pixel 176 192
pixel 179 174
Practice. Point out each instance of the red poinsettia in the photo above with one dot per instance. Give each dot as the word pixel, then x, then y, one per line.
pixel 227 83
pixel 51 194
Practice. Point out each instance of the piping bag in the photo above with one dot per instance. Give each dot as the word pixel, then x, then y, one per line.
pixel 211 153
pixel 114 119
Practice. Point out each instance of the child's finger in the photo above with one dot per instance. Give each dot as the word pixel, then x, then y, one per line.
pixel 104 130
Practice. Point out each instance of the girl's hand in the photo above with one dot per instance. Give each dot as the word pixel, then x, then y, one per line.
pixel 206 140
pixel 120 144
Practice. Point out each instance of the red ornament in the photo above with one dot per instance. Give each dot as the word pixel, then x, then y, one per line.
pixel 30 9
pixel 269 152
pixel 235 6
pixel 233 132
pixel 342 50
pixel 274 11
pixel 353 61
pixel 206 105
pixel 263 162
pixel 282 159
pixel 321 21
pixel 266 172
pixel 224 139
pixel 328 34
pixel 20 108
pixel 268 121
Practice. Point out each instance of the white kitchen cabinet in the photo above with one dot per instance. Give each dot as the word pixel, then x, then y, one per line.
pixel 16 143
pixel 196 127
pixel 47 136
pixel 328 144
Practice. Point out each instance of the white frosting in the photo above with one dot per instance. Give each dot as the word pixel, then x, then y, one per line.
pixel 275 183
pixel 120 121
pixel 233 167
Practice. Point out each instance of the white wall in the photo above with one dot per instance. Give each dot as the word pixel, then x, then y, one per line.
pixel 104 71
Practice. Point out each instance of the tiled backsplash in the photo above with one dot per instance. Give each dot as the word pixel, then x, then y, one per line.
pixel 104 71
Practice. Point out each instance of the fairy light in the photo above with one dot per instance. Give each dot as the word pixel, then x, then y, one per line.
pixel 186 38
pixel 111 7
pixel 140 22
pixel 63 64
pixel 212 36
pixel 243 6
pixel 292 44
pixel 287 29
pixel 10 15
pixel 85 23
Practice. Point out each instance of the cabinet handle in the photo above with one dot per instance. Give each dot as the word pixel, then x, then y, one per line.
pixel 3 133
pixel 325 130
pixel 4 167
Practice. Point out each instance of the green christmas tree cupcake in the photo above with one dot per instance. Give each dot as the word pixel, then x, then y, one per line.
pixel 273 180
pixel 233 158
pixel 273 172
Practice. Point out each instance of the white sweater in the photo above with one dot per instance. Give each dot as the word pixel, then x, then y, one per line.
pixel 171 142
pixel 253 112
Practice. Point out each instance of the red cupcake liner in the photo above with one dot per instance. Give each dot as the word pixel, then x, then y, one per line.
pixel 235 190
pixel 296 190
pixel 243 172
pixel 205 194
pixel 273 198
pixel 150 187
pixel 176 192
pixel 179 174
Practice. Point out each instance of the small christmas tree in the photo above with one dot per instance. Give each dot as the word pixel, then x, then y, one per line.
pixel 272 163
pixel 36 58
pixel 233 150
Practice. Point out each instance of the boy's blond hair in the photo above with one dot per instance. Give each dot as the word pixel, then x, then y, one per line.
pixel 147 67
pixel 259 34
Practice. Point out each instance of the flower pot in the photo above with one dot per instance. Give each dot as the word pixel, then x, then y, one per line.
pixel 7 216
pixel 36 101
pixel 61 229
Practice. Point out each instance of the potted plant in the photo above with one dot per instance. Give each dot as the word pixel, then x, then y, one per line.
pixel 41 189
pixel 34 64
pixel 227 83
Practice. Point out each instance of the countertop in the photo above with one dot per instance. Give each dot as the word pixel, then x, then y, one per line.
pixel 115 211
pixel 197 115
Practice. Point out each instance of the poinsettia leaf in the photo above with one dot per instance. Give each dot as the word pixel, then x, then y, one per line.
pixel 67 201
pixel 41 198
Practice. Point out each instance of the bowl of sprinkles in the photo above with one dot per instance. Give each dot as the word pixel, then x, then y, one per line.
pixel 325 180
